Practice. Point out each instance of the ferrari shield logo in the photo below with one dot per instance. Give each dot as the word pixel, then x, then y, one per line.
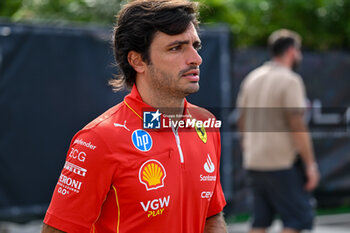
pixel 202 134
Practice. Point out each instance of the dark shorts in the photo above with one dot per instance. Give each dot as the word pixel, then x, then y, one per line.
pixel 282 193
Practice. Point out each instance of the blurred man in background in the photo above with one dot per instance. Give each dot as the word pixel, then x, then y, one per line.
pixel 277 149
pixel 120 177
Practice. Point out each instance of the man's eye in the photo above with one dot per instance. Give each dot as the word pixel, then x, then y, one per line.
pixel 176 48
pixel 198 47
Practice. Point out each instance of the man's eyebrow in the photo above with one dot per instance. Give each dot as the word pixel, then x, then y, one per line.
pixel 181 42
pixel 178 42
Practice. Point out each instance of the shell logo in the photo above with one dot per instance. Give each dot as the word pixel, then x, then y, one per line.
pixel 152 174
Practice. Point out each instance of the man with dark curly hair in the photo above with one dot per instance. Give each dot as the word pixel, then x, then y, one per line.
pixel 124 173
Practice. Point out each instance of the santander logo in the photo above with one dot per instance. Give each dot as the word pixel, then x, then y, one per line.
pixel 209 165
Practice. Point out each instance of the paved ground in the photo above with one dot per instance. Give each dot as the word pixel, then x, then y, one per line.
pixel 339 223
pixel 325 224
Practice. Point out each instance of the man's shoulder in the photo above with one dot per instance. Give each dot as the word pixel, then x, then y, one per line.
pixel 104 119
pixel 115 122
pixel 259 69
pixel 255 74
pixel 199 112
pixel 289 73
pixel 273 72
pixel 290 78
pixel 118 120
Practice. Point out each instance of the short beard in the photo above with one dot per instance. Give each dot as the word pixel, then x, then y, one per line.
pixel 164 81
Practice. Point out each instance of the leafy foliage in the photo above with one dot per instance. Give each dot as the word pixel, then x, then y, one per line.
pixel 323 24
pixel 54 11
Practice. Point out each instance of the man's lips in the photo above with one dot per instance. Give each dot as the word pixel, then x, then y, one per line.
pixel 192 75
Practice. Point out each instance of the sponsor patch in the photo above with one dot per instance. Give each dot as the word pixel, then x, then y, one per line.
pixel 122 126
pixel 209 165
pixel 152 174
pixel 75 169
pixel 141 140
pixel 202 134
pixel 207 178
pixel 78 155
pixel 83 143
pixel 206 195
pixel 155 207
pixel 68 185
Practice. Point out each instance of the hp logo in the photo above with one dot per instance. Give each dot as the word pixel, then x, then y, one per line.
pixel 142 140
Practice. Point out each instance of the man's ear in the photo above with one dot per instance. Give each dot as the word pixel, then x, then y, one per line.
pixel 292 50
pixel 135 60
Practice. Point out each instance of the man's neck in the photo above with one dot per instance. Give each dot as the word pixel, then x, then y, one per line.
pixel 283 61
pixel 167 104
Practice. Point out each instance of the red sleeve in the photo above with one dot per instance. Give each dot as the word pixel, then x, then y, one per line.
pixel 83 184
pixel 217 202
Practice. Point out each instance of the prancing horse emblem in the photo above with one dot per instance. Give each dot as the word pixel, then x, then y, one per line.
pixel 202 134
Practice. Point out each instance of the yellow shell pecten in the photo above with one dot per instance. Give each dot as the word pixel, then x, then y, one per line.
pixel 152 174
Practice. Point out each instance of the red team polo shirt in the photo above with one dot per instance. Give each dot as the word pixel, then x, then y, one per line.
pixel 121 178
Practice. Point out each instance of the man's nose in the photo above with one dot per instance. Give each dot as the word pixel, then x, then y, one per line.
pixel 193 57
